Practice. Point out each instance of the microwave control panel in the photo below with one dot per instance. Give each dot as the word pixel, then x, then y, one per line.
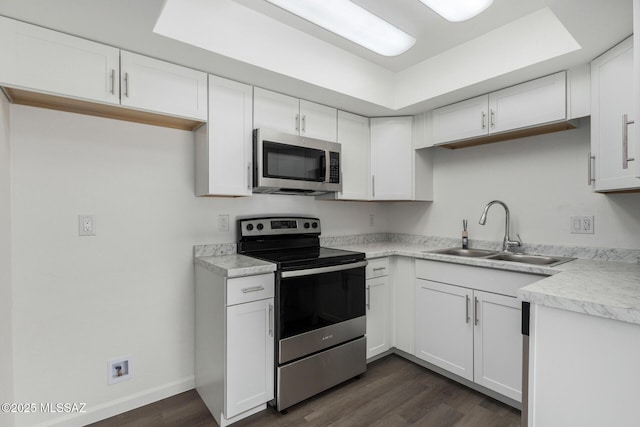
pixel 334 167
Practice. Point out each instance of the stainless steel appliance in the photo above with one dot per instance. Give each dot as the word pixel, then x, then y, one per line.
pixel 292 164
pixel 319 305
pixel 526 310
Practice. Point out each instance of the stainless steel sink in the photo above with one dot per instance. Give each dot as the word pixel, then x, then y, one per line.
pixel 472 253
pixel 548 261
pixel 529 259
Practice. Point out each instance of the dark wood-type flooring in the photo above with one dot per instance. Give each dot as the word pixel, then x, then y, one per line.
pixel 393 392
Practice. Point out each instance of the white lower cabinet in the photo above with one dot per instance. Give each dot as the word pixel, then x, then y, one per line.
pixel 249 355
pixel 444 329
pixel 468 323
pixel 234 344
pixel 497 338
pixel 378 307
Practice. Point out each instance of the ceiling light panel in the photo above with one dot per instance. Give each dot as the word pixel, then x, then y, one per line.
pixel 352 22
pixel 458 10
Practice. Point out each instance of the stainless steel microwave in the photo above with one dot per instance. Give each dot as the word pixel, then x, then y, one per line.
pixel 292 164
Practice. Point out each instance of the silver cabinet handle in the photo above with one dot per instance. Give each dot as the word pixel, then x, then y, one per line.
pixel 379 268
pixel 113 82
pixel 126 84
pixel 373 186
pixel 467 317
pixel 297 122
pixel 590 163
pixel 304 123
pixel 270 320
pixel 493 118
pixel 475 311
pixel 625 141
pixel 483 120
pixel 368 297
pixel 249 176
pixel 252 289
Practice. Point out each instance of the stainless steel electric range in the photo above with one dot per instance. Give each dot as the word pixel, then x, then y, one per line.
pixel 319 303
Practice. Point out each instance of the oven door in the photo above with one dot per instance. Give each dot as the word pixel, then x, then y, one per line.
pixel 319 308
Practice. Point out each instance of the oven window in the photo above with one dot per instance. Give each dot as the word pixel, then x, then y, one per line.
pixel 293 162
pixel 311 302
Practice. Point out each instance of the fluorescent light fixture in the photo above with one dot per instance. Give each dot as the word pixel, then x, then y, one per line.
pixel 352 22
pixel 457 10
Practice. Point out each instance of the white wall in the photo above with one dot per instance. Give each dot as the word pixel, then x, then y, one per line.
pixel 543 181
pixel 79 301
pixel 6 355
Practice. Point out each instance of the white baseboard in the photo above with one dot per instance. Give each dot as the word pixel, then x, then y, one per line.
pixel 119 406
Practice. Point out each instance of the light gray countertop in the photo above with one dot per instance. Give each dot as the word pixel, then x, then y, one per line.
pixel 234 265
pixel 601 288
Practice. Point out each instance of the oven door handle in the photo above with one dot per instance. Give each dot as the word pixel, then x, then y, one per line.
pixel 320 270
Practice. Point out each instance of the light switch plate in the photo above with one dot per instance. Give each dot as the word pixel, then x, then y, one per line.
pixel 223 223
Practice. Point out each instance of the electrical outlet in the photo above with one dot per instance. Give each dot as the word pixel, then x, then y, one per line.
pixel 581 224
pixel 119 369
pixel 223 223
pixel 86 225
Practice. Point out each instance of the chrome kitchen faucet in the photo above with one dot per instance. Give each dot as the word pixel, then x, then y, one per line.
pixel 506 242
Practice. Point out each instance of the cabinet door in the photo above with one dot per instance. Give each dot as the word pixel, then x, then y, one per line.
pixel 249 356
pixel 353 136
pixel 611 100
pixel 152 85
pixel 47 61
pixel 466 119
pixel 276 111
pixel 224 145
pixel 532 103
pixel 392 158
pixel 378 320
pixel 318 121
pixel 498 344
pixel 444 326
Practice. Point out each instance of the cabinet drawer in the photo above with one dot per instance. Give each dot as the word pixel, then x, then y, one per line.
pixel 377 268
pixel 250 288
pixel 484 279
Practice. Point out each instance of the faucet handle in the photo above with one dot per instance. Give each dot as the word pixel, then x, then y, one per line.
pixel 519 240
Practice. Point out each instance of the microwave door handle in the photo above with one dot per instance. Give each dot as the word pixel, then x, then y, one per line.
pixel 323 166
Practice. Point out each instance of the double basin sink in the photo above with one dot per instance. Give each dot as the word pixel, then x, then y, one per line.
pixel 548 261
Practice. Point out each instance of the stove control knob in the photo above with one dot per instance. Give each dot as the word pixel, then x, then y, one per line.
pixel 260 226
pixel 249 227
pixel 306 225
pixel 314 225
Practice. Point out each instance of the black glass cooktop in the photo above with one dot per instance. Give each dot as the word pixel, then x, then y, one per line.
pixel 308 257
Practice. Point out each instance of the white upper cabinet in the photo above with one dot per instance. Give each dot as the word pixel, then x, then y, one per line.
pixel 612 112
pixel 529 104
pixel 353 136
pixel 153 85
pixel 318 121
pixel 392 158
pixel 492 117
pixel 275 111
pixel 294 116
pixel 466 119
pixel 49 69
pixel 224 145
pixel 35 58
